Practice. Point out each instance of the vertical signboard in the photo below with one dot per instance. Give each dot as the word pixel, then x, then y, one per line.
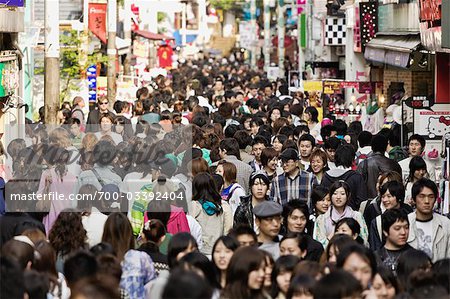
pixel 97 20
pixel 368 18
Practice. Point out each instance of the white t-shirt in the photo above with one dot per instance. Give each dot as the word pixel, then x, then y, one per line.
pixel 424 234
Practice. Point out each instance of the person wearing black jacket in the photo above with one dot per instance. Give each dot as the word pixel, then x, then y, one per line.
pixel 345 154
pixel 93 120
pixel 377 163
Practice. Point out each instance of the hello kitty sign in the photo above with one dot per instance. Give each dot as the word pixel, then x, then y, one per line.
pixel 433 124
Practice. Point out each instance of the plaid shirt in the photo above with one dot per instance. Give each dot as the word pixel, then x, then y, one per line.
pixel 285 188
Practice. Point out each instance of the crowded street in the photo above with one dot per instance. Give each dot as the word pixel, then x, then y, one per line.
pixel 269 149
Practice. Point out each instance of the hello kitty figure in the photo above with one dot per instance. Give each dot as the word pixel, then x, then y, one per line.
pixel 438 126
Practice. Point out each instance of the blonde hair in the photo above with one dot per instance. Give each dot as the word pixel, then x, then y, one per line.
pixel 89 141
pixel 60 137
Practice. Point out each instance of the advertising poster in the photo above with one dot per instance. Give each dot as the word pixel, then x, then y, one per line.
pixel 432 123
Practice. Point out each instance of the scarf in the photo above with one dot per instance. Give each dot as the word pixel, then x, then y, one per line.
pixel 334 217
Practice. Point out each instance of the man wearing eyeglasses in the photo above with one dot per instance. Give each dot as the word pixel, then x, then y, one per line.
pixel 294 183
pixel 93 120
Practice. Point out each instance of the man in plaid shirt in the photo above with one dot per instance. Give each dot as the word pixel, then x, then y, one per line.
pixel 294 183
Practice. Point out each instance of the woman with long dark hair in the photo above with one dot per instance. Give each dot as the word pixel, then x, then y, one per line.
pixel 67 235
pixel 245 274
pixel 339 209
pixel 222 252
pixel 213 214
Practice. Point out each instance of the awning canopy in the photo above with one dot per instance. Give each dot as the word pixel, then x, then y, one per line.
pixel 151 35
pixel 393 50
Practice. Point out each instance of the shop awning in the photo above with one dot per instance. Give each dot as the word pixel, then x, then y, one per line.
pixel 393 50
pixel 151 35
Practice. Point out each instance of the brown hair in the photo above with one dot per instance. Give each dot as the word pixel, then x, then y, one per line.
pixel 229 171
pixel 390 176
pixel 106 115
pixel 35 235
pixel 138 108
pixel 118 232
pixel 67 234
pixel 279 123
pixel 198 165
pixel 267 155
pixel 319 153
pixel 154 230
pixel 89 141
pixel 60 137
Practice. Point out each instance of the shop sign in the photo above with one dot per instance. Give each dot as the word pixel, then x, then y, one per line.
pixel 97 20
pixel 12 3
pixel 349 84
pixel 433 124
pixel 368 16
pixel 331 87
pixel 309 85
pixel 420 102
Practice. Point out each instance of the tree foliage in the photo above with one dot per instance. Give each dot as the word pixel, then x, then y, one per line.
pixel 70 57
pixel 223 4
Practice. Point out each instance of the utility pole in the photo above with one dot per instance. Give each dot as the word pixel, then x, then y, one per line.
pixel 51 61
pixel 111 50
pixel 255 33
pixel 267 35
pixel 127 34
pixel 202 26
pixel 281 32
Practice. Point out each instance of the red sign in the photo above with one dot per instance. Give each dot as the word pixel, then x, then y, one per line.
pixel 97 20
pixel 349 84
pixel 165 56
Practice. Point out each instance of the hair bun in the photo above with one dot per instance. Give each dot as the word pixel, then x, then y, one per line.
pixel 162 180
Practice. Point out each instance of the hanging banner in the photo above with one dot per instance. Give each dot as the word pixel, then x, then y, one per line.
pixel 368 19
pixel 97 20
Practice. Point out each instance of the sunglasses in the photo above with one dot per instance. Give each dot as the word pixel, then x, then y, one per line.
pixel 104 103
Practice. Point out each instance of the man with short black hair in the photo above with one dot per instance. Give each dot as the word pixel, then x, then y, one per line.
pixel 306 144
pixel 395 226
pixel 244 234
pixel 394 148
pixel 429 231
pixel 375 164
pixel 330 145
pixel 258 145
pixel 93 120
pixel 416 146
pixel 345 154
pixel 364 149
pixel 244 141
pixel 294 183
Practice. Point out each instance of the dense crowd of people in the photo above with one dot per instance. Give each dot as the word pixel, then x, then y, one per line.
pixel 214 183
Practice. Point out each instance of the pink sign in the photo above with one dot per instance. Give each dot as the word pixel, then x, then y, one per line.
pixel 300 6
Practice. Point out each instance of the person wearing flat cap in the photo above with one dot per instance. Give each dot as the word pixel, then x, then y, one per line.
pixel 294 183
pixel 268 220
